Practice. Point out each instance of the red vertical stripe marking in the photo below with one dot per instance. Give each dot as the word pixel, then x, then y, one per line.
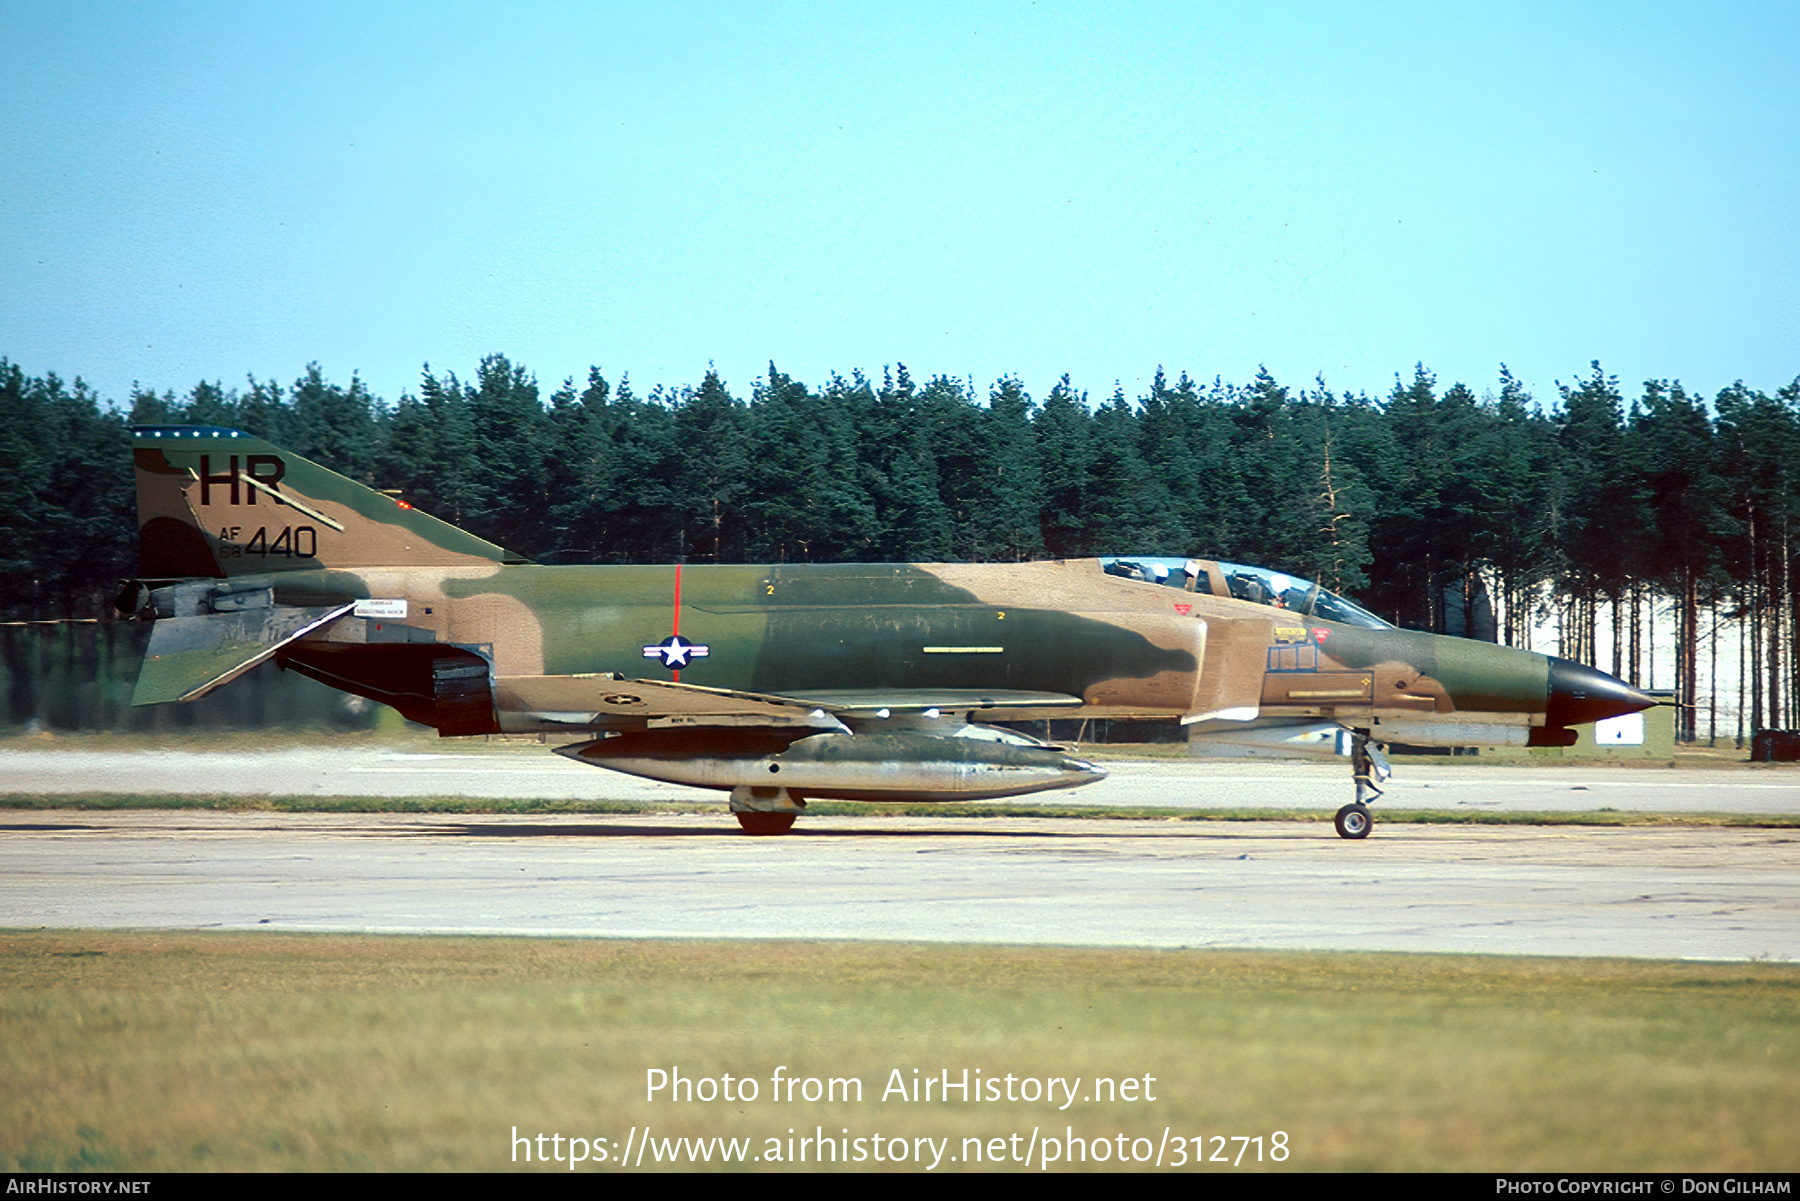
pixel 676 672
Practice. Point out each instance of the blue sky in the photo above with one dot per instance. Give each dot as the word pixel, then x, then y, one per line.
pixel 208 191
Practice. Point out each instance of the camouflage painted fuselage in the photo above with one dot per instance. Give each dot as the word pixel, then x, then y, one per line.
pixel 252 553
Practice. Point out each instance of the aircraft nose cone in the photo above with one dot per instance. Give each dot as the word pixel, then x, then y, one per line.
pixel 1581 694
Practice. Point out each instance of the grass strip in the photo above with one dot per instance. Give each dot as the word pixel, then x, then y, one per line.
pixel 156 1051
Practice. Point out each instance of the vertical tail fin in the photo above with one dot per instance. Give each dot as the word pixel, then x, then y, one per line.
pixel 216 502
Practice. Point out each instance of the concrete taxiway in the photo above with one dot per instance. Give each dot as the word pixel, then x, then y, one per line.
pixel 506 770
pixel 1643 891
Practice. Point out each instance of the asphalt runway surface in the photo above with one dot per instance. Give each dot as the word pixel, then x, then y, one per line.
pixel 1653 892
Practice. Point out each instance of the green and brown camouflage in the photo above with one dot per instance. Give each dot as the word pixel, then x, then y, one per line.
pixel 779 682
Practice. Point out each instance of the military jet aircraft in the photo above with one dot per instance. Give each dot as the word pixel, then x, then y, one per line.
pixel 784 683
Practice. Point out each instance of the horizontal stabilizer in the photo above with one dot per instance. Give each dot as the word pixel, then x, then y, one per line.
pixel 191 656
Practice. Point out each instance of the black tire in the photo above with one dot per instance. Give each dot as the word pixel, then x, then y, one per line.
pixel 1353 821
pixel 766 823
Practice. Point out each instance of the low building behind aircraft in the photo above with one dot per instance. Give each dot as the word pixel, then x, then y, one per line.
pixel 780 683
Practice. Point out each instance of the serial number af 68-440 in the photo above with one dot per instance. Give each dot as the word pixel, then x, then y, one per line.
pixel 288 542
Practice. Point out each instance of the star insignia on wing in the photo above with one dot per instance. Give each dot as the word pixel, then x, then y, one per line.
pixel 676 651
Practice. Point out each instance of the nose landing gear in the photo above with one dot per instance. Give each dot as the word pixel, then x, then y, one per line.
pixel 1368 766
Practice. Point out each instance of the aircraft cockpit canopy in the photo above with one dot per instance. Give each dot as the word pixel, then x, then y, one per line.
pixel 1260 585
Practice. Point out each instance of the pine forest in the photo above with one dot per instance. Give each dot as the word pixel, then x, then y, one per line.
pixel 1655 535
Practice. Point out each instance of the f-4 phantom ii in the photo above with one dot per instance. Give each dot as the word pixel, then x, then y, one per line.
pixel 785 683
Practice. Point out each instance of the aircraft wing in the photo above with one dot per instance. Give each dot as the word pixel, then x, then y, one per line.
pixel 597 702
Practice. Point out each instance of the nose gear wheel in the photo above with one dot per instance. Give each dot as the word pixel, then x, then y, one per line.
pixel 1353 821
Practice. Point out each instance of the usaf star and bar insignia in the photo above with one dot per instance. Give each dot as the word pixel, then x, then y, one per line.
pixel 676 652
